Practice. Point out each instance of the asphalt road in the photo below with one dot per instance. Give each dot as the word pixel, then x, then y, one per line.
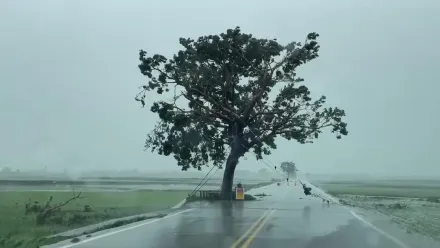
pixel 286 218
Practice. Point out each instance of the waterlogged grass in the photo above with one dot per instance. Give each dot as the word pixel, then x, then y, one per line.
pixel 389 190
pixel 413 205
pixel 20 230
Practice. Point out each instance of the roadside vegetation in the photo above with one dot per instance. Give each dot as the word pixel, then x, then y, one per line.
pixel 27 217
pixel 398 188
pixel 413 205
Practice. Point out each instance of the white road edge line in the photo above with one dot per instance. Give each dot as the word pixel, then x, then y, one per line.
pixel 364 221
pixel 124 229
pixel 377 229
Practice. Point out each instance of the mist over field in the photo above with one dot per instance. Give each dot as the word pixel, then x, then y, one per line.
pixel 72 136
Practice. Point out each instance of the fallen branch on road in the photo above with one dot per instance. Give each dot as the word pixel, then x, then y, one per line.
pixel 307 191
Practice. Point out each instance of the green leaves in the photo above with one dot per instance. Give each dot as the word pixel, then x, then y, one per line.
pixel 218 89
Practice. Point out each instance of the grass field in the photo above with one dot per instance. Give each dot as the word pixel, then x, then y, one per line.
pixel 415 191
pixel 17 228
pixel 413 205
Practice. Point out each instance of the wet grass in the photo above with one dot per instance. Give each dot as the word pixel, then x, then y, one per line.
pixel 95 182
pixel 20 230
pixel 37 242
pixel 383 190
pixel 413 205
pixel 105 181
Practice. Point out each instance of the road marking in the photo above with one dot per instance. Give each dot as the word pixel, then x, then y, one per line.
pixel 124 229
pixel 380 231
pixel 377 229
pixel 257 230
pixel 236 243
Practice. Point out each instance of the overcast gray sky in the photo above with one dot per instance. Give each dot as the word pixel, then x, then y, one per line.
pixel 68 76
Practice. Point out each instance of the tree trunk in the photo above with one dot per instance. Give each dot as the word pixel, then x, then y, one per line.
pixel 294 175
pixel 228 175
pixel 238 149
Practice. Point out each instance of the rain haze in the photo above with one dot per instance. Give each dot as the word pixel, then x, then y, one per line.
pixel 74 171
pixel 69 74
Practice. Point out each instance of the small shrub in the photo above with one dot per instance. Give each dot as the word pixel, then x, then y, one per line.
pixel 87 208
pixel 71 219
pixel 398 206
pixel 32 207
pixel 57 220
pixel 432 199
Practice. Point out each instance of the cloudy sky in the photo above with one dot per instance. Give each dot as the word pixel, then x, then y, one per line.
pixel 68 76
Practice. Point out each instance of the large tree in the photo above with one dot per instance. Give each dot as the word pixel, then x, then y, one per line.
pixel 220 87
pixel 289 168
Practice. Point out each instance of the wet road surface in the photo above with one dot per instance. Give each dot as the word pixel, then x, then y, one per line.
pixel 286 218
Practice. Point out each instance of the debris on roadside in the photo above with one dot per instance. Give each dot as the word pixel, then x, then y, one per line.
pixel 261 195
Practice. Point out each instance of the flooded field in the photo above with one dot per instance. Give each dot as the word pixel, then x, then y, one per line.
pixel 412 205
pixel 113 184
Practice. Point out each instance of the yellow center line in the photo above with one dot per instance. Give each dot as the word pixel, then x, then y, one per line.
pixel 257 230
pixel 236 243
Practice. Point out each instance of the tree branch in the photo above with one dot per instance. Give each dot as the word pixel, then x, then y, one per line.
pixel 48 208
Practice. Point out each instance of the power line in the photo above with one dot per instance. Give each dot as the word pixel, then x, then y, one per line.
pixel 274 166
pixel 262 160
pixel 197 187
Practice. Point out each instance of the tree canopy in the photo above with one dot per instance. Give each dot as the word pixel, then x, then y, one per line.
pixel 218 96
pixel 288 167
